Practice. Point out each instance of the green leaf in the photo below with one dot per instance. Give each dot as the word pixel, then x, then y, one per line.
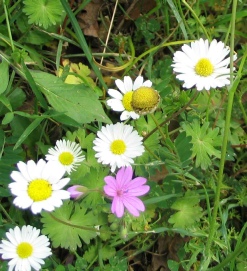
pixel 68 225
pixel 78 102
pixel 183 148
pixel 28 131
pixel 4 71
pixel 204 140
pixel 107 252
pixel 90 254
pixel 188 211
pixel 42 12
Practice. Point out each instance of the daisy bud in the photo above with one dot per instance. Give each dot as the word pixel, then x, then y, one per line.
pixel 145 100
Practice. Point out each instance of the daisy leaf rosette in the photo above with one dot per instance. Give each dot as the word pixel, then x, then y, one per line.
pixel 125 192
pixel 117 145
pixel 67 153
pixel 39 186
pixel 121 100
pixel 25 248
pixel 203 65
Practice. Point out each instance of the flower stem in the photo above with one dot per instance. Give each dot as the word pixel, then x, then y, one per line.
pixel 233 87
pixel 158 126
pixel 8 25
pixel 172 116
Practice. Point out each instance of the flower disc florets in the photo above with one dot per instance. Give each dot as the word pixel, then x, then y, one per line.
pixel 145 100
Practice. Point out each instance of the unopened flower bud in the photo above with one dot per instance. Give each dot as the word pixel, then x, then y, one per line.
pixel 77 191
pixel 145 100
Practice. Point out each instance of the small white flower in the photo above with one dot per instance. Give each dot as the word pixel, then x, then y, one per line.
pixel 117 145
pixel 203 64
pixel 67 153
pixel 38 186
pixel 25 248
pixel 122 99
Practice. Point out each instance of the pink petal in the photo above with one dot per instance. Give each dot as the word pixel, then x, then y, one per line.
pixel 110 191
pixel 124 175
pixel 133 204
pixel 117 207
pixel 138 191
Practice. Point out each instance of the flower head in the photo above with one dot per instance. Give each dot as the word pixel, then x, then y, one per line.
pixel 145 100
pixel 38 186
pixel 122 100
pixel 124 190
pixel 25 248
pixel 203 64
pixel 117 145
pixel 67 153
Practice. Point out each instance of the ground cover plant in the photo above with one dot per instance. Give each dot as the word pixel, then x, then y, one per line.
pixel 123 135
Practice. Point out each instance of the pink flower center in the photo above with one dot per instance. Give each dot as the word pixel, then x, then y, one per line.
pixel 120 192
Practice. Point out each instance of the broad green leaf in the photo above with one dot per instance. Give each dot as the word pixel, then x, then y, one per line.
pixel 78 102
pixel 8 118
pixel 188 211
pixel 204 140
pixel 4 72
pixel 69 224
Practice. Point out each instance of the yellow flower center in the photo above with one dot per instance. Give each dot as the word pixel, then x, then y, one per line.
pixel 127 99
pixel 204 67
pixel 145 100
pixel 66 158
pixel 24 250
pixel 118 147
pixel 39 190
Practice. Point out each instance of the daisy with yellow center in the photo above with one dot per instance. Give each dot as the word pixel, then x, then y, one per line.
pixel 117 144
pixel 67 153
pixel 203 65
pixel 25 248
pixel 38 186
pixel 121 100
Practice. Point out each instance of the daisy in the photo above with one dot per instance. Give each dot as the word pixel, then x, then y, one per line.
pixel 203 64
pixel 124 190
pixel 117 145
pixel 121 100
pixel 67 153
pixel 38 186
pixel 25 248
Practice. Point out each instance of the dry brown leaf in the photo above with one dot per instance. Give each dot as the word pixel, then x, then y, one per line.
pixel 88 18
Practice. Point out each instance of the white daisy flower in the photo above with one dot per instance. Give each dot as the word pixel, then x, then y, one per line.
pixel 25 248
pixel 38 186
pixel 203 64
pixel 67 153
pixel 117 145
pixel 122 99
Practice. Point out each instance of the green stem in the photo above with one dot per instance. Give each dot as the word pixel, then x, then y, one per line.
pixel 197 19
pixel 173 116
pixel 8 25
pixel 213 224
pixel 158 126
pixel 6 214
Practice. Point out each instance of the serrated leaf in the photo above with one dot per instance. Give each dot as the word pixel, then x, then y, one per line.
pixel 188 211
pixel 64 226
pixel 204 140
pixel 78 102
pixel 42 12
pixel 107 252
pixel 90 254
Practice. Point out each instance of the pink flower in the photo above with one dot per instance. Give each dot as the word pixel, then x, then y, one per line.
pixel 124 190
